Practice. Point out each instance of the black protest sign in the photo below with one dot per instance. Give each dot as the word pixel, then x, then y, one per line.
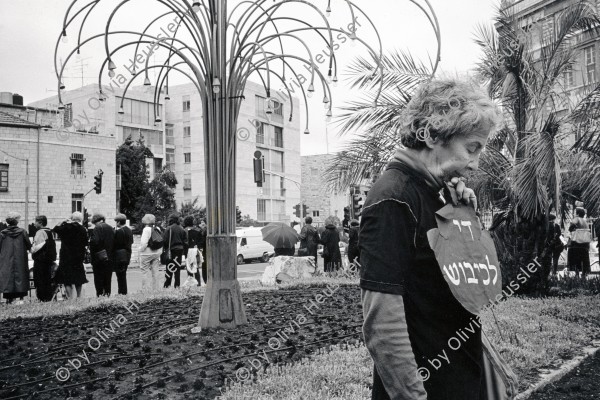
pixel 467 257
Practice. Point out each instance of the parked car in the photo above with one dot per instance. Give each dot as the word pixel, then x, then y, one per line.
pixel 251 246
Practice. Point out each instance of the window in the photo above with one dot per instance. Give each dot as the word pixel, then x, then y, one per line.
pixel 277 161
pixel 187 182
pixel 277 108
pixel 279 213
pixel 281 187
pixel 260 133
pixel 186 105
pixel 76 202
pixel 266 187
pixel 50 199
pixel 278 136
pixel 157 164
pixel 261 208
pixel 315 213
pixel 169 134
pixel 590 63
pixel 568 77
pixel 186 131
pixel 77 161
pixel 68 115
pixel 187 158
pixel 3 177
pixel 547 31
pixel 170 159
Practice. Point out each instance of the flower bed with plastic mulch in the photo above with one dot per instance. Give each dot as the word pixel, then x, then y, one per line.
pixel 533 335
pixel 127 350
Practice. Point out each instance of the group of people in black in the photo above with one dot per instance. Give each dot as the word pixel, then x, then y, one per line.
pixel 578 246
pixel 330 239
pixel 107 248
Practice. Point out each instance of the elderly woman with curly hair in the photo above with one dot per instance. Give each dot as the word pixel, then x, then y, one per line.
pixel 408 308
pixel 14 267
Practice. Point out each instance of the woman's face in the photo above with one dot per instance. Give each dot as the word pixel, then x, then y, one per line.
pixel 459 156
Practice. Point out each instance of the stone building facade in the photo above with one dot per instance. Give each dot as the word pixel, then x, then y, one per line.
pixel 177 140
pixel 321 202
pixel 275 136
pixel 61 167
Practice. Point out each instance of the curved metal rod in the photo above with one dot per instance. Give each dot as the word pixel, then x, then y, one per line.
pixel 157 66
pixel 65 26
pixel 276 7
pixel 249 54
pixel 165 77
pixel 316 30
pixel 193 67
pixel 188 48
pixel 84 19
pixel 144 31
pixel 436 28
pixel 373 53
pixel 378 39
pixel 302 87
pixel 257 5
pixel 326 87
pixel 113 13
pixel 180 54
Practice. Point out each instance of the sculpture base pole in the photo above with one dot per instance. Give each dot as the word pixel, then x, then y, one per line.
pixel 222 305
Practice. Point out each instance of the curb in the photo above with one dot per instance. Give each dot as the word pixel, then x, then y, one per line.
pixel 555 375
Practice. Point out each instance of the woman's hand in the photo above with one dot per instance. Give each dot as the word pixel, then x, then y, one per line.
pixel 459 191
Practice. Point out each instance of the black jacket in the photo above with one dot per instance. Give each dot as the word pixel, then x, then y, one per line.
pixel 103 238
pixel 124 240
pixel 177 236
pixel 396 258
pixel 74 239
pixel 330 239
pixel 47 254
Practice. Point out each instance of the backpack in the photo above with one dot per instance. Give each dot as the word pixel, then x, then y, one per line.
pixel 156 239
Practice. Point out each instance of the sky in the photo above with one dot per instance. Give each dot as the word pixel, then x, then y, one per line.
pixel 29 30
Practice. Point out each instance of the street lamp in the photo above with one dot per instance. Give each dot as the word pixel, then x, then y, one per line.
pixel 221 51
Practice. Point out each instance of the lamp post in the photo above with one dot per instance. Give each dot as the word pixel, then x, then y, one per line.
pixel 219 50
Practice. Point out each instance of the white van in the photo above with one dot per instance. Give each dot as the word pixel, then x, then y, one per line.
pixel 251 246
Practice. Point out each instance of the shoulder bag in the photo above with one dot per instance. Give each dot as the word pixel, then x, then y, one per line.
pixel 165 256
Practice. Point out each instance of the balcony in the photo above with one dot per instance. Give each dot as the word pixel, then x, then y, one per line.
pixel 157 149
pixel 170 140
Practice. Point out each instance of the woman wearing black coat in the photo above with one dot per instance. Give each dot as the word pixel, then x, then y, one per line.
pixel 74 239
pixel 330 239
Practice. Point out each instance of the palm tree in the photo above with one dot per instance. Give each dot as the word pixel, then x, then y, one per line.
pixel 529 167
pixel 368 152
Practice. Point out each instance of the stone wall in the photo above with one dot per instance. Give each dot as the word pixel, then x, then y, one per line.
pixel 56 183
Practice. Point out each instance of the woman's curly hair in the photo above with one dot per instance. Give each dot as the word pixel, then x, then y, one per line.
pixel 444 109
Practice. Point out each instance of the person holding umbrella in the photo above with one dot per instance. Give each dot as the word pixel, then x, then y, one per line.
pixel 282 237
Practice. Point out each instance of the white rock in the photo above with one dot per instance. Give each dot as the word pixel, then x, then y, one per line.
pixel 294 267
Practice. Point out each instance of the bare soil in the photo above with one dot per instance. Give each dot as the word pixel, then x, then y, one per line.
pixel 150 352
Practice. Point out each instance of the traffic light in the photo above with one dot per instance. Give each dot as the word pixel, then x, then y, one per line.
pixel 259 168
pixel 98 182
pixel 238 215
pixel 304 210
pixel 358 201
pixel 297 210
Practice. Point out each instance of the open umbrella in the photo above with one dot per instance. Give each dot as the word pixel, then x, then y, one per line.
pixel 280 235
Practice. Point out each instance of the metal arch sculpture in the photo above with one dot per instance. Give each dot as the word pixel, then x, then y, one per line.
pixel 224 50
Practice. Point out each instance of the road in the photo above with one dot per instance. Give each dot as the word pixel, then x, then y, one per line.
pixel 134 278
